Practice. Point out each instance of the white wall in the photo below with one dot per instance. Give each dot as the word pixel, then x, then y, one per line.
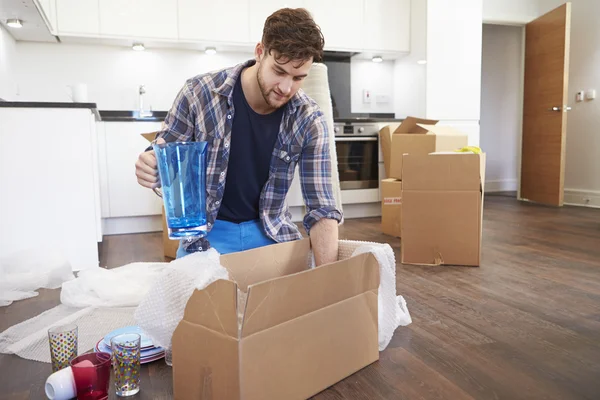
pixel 112 74
pixel 501 104
pixel 376 77
pixel 410 77
pixel 7 60
pixel 453 88
pixel 582 170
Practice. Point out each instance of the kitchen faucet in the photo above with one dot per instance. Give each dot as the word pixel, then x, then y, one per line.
pixel 142 92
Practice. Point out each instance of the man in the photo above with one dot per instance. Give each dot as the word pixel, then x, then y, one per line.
pixel 259 125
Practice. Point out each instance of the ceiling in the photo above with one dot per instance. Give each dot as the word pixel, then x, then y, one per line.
pixel 34 28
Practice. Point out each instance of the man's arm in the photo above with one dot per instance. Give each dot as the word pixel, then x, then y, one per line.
pixel 324 240
pixel 322 218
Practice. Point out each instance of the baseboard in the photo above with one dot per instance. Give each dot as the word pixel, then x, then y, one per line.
pixel 585 198
pixel 501 185
pixel 125 225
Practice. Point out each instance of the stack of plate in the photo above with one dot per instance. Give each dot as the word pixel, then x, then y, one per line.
pixel 149 352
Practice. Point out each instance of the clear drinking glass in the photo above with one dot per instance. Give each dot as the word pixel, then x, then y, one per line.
pixel 182 171
pixel 126 363
pixel 63 345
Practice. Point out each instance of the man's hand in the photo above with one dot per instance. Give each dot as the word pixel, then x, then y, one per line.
pixel 324 240
pixel 146 170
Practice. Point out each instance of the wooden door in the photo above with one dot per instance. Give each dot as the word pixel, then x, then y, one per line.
pixel 545 107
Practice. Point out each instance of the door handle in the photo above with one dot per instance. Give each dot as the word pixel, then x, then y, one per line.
pixel 559 109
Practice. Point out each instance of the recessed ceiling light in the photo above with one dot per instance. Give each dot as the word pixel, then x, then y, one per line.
pixel 138 47
pixel 210 51
pixel 14 23
pixel 422 62
pixel 377 59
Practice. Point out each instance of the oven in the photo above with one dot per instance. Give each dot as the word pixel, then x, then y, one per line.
pixel 357 150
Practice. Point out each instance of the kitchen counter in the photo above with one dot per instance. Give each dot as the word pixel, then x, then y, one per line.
pixel 50 104
pixel 132 116
pixel 360 120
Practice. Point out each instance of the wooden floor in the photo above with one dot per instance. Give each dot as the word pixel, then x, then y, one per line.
pixel 524 325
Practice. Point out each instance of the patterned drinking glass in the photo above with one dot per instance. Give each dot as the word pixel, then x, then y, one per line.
pixel 63 345
pixel 126 363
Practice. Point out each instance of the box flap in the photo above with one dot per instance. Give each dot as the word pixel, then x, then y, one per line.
pixel 411 125
pixel 304 356
pixel 442 130
pixel 456 172
pixel 214 307
pixel 282 299
pixel 149 136
pixel 264 263
pixel 408 144
pixel 385 138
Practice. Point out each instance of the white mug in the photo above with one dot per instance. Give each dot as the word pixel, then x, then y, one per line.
pixel 61 385
pixel 78 93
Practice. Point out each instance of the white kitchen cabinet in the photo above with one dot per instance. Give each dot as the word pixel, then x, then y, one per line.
pixel 387 25
pixel 48 8
pixel 139 18
pixel 341 22
pixel 77 17
pixel 261 9
pixel 203 20
pixel 49 185
pixel 123 144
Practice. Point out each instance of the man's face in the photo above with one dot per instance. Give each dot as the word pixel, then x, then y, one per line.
pixel 279 80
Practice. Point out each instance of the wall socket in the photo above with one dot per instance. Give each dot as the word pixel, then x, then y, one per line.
pixel 367 95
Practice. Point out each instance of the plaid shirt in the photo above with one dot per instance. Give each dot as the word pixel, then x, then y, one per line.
pixel 203 111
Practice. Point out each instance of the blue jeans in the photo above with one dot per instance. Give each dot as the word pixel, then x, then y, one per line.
pixel 229 237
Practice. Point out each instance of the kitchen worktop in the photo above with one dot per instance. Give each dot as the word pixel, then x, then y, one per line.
pixel 361 120
pixel 50 104
pixel 133 116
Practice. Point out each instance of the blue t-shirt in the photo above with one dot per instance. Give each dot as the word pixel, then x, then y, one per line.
pixel 253 138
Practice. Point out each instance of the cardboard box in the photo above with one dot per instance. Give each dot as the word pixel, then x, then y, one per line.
pixel 169 246
pixel 442 208
pixel 391 207
pixel 303 329
pixel 416 136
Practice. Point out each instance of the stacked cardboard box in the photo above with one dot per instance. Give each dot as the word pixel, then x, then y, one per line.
pixel 413 136
pixel 442 208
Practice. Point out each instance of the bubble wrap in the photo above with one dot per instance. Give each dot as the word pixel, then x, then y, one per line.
pixel 393 311
pixel 124 286
pixel 161 310
pixel 22 272
pixel 29 339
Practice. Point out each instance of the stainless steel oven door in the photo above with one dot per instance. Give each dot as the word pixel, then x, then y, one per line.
pixel 358 162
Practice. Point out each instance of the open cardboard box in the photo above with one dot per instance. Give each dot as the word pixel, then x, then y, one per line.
pixel 416 136
pixel 300 331
pixel 169 246
pixel 442 208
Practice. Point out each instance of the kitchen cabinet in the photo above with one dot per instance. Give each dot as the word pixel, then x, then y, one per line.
pixel 202 20
pixel 49 185
pixel 341 22
pixel 387 25
pixel 77 17
pixel 138 18
pixel 120 145
pixel 261 9
pixel 48 8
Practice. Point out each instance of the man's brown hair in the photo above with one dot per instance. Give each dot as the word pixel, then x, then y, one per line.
pixel 293 35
